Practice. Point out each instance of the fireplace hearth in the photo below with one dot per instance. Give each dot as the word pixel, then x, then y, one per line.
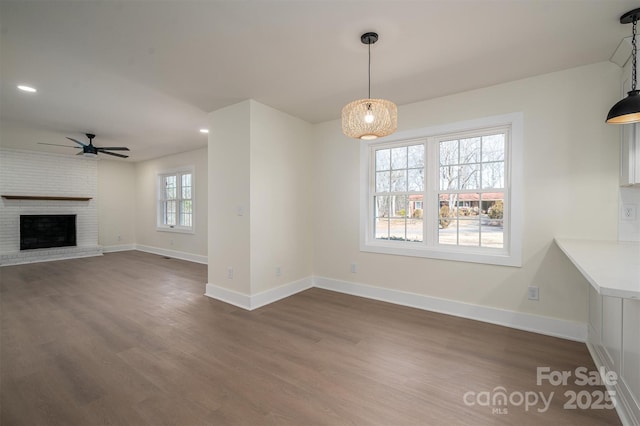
pixel 47 230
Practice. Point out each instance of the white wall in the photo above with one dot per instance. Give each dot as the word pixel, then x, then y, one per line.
pixel 116 204
pixel 146 175
pixel 629 230
pixel 281 213
pixel 570 189
pixel 229 199
pixel 260 215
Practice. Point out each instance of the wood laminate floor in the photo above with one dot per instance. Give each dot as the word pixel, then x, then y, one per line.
pixel 129 339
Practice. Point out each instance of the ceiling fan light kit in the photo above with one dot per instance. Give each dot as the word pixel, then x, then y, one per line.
pixel 368 119
pixel 627 110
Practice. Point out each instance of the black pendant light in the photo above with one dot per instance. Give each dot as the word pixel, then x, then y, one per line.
pixel 628 110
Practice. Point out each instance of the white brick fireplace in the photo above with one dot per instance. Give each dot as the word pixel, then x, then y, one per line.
pixel 26 173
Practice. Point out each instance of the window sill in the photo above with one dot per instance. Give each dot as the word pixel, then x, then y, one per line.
pixel 178 230
pixel 486 256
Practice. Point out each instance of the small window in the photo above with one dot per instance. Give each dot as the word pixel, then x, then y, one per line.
pixel 452 192
pixel 175 201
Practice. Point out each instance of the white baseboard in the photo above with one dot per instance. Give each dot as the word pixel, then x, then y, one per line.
pixel 231 297
pixel 173 253
pixel 119 247
pixel 538 324
pixel 275 294
pixel 259 299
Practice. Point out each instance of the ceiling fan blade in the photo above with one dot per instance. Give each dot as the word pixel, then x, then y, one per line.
pixel 81 152
pixel 114 154
pixel 113 148
pixel 55 144
pixel 78 142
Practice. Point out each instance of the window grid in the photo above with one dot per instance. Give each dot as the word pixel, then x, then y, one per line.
pixel 471 189
pixel 398 183
pixel 477 170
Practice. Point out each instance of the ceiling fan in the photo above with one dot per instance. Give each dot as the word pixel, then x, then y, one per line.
pixel 89 150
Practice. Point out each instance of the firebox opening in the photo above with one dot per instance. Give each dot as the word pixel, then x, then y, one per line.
pixel 47 230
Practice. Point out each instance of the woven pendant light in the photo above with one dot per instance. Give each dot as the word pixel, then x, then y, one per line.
pixel 369 118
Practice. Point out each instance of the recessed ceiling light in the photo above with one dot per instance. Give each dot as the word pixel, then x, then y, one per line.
pixel 204 130
pixel 26 88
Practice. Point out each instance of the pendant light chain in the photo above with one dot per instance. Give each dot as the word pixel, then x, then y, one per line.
pixel 634 55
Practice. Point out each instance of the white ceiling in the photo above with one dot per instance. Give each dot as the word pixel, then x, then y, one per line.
pixel 145 74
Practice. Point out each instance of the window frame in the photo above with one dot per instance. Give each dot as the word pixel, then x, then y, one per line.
pixel 510 255
pixel 179 172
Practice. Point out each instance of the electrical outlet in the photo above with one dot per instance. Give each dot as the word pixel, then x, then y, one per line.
pixel 354 268
pixel 230 273
pixel 533 293
pixel 628 212
pixel 171 242
pixel 278 271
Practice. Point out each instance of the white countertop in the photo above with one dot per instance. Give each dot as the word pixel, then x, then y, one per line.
pixel 612 267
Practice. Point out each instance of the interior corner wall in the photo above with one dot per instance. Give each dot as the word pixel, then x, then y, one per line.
pixel 116 204
pixel 260 219
pixel 281 222
pixel 148 237
pixel 570 189
pixel 229 199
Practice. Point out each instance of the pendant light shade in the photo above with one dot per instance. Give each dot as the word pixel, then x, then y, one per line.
pixel 628 109
pixel 369 118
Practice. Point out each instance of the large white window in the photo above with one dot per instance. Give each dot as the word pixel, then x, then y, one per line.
pixel 175 201
pixel 449 192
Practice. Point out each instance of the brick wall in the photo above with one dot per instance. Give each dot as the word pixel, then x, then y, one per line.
pixel 34 173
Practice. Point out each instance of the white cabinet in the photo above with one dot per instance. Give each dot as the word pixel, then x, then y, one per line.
pixel 595 316
pixel 631 348
pixel 613 272
pixel 612 330
pixel 614 342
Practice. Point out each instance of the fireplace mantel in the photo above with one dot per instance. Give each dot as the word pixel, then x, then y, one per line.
pixel 44 197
